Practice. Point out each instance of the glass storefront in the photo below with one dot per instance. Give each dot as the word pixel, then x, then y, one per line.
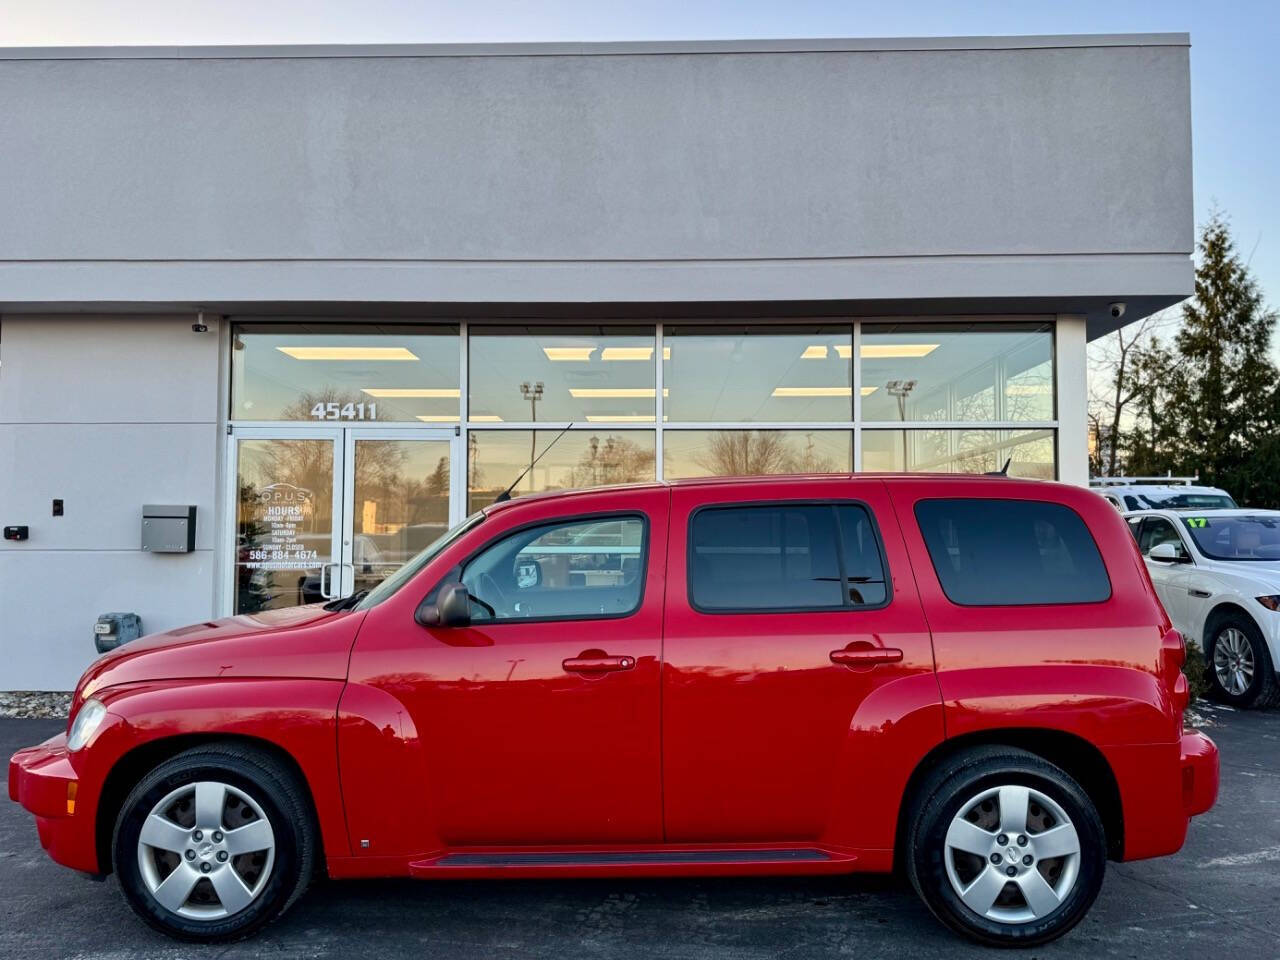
pixel 559 374
pixel 730 453
pixel 1030 453
pixel 355 443
pixel 958 373
pixel 758 374
pixel 319 372
pixel 581 458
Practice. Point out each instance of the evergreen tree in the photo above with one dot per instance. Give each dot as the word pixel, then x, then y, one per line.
pixel 1209 404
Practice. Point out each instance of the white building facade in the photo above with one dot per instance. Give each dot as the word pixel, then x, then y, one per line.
pixel 337 298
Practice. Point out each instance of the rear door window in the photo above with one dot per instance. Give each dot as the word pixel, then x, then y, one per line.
pixel 1012 552
pixel 794 556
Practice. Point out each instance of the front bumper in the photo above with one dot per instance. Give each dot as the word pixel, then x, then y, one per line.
pixel 43 779
pixel 1199 773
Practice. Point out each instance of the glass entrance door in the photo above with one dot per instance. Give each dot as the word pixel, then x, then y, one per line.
pixel 322 513
pixel 398 500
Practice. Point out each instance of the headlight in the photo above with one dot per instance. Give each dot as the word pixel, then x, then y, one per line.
pixel 1271 602
pixel 86 724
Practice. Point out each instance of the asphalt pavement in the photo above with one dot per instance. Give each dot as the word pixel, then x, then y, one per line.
pixel 1217 898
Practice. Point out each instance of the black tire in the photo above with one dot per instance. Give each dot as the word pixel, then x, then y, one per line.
pixel 945 795
pixel 283 801
pixel 1263 690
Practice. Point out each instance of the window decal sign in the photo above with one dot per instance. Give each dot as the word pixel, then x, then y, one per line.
pixel 282 512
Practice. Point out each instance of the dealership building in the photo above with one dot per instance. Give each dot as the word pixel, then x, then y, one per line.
pixel 272 318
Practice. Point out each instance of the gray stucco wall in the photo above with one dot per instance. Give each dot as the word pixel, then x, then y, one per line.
pixel 794 153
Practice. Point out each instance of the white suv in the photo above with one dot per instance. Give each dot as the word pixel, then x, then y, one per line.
pixel 1127 497
pixel 1217 572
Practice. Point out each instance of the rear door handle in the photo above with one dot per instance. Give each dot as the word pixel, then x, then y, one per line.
pixel 598 664
pixel 1198 593
pixel 866 656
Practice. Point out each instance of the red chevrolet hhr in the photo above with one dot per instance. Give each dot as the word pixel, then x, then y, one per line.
pixel 968 678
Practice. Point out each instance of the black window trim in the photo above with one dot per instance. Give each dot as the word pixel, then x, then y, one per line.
pixel 1111 589
pixel 832 502
pixel 455 573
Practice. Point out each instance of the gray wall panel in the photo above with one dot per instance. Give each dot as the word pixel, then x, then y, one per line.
pixel 674 156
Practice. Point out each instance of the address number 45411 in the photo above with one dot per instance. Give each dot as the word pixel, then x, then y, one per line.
pixel 344 411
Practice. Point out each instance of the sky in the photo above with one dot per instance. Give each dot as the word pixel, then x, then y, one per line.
pixel 1235 48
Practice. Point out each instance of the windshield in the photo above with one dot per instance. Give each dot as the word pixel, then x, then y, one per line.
pixel 1236 538
pixel 406 573
pixel 1185 501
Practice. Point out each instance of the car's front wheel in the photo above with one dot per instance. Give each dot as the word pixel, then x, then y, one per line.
pixel 214 843
pixel 1240 670
pixel 1005 848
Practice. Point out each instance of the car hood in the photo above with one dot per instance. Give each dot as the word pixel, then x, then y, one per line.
pixel 1263 572
pixel 295 642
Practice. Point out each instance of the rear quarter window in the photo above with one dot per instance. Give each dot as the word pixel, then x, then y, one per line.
pixel 1012 553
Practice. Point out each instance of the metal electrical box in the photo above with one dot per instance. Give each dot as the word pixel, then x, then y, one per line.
pixel 168 529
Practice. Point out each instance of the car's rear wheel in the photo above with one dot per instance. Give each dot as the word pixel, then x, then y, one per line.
pixel 1240 670
pixel 214 843
pixel 1005 848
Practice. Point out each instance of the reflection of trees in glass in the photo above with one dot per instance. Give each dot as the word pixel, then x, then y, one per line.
pixel 982 451
pixel 251 592
pixel 404 498
pixel 742 453
pixel 616 460
pixel 301 408
pixel 309 463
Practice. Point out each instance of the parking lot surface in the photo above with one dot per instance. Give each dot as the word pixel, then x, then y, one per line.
pixel 1218 897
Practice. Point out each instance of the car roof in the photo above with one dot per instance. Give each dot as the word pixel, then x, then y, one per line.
pixel 948 478
pixel 1221 512
pixel 1122 488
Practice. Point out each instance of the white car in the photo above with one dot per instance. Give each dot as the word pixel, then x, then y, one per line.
pixel 1127 497
pixel 1217 572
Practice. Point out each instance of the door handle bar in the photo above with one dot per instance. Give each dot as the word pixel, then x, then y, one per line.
pixel 866 656
pixel 604 664
pixel 324 569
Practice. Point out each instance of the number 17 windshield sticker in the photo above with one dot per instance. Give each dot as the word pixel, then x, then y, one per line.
pixel 1197 522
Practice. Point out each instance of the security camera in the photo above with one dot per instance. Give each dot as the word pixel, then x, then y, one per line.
pixel 1117 309
pixel 199 328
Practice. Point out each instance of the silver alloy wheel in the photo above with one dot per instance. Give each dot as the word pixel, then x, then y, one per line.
pixel 1233 661
pixel 1012 854
pixel 206 850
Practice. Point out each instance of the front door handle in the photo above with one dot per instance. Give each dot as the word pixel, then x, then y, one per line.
pixel 865 655
pixel 597 661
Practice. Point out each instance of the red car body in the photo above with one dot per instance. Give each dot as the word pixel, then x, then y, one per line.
pixel 473 751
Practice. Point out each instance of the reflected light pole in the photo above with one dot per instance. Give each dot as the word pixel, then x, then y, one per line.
pixel 901 389
pixel 532 393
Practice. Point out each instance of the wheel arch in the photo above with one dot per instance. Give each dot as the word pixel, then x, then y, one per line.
pixel 1217 613
pixel 1078 757
pixel 133 765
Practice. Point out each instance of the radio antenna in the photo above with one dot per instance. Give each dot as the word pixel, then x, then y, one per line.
pixel 506 494
pixel 1003 471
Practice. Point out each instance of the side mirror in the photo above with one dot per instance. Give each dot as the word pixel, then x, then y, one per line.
pixel 1168 553
pixel 451 609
